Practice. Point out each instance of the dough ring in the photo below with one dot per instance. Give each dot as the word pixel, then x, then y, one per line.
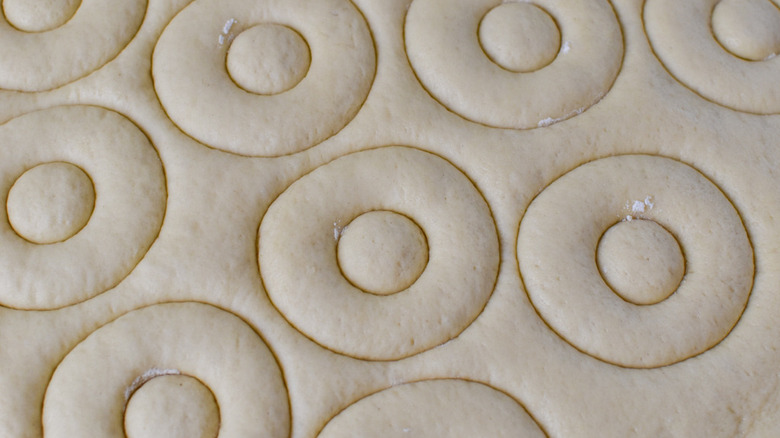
pixel 446 51
pixel 300 233
pixel 686 37
pixel 109 366
pixel 558 241
pixel 45 51
pixel 203 87
pixel 445 407
pixel 114 154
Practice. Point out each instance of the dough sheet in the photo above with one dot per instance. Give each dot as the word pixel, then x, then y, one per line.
pixel 403 218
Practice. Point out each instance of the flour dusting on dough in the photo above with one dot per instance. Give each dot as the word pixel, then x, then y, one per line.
pixel 147 376
pixel 338 230
pixel 549 121
pixel 638 207
pixel 227 35
pixel 228 25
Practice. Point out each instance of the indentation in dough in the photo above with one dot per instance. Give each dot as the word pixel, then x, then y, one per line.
pixel 50 47
pixel 693 40
pixel 557 255
pixel 86 394
pixel 268 59
pixel 314 99
pixel 299 263
pixel 122 226
pixel 172 407
pixel 50 202
pixel 434 408
pixel 749 29
pixel 640 261
pixel 382 252
pixel 520 37
pixel 39 15
pixel 443 39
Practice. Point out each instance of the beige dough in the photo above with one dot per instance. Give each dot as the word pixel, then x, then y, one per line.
pixel 172 406
pixel 682 37
pixel 50 202
pixel 403 218
pixel 445 52
pixel 578 303
pixel 193 83
pixel 382 252
pixel 159 341
pixel 451 408
pixel 47 45
pixel 748 28
pixel 640 261
pixel 114 154
pixel 303 227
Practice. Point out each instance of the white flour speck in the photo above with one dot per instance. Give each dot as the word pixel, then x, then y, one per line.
pixel 338 230
pixel 549 121
pixel 228 25
pixel 642 206
pixel 565 47
pixel 226 35
pixel 146 376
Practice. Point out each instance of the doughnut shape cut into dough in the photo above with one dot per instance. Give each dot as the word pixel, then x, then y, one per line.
pixel 193 83
pixel 298 241
pixel 443 46
pixel 434 408
pixel 557 245
pixel 39 57
pixel 90 388
pixel 129 205
pixel 681 34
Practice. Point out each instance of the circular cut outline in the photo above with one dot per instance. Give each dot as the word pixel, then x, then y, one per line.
pixel 379 323
pixel 143 361
pixel 228 118
pixel 720 43
pixel 346 277
pixel 298 34
pixel 129 396
pixel 56 52
pixel 700 51
pixel 508 99
pixel 682 252
pixel 594 334
pixel 48 276
pixel 436 381
pixel 494 61
pixel 78 230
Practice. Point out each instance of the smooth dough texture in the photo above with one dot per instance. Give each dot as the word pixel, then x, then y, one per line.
pixel 390 218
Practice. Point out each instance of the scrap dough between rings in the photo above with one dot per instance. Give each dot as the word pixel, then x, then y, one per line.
pixel 483 280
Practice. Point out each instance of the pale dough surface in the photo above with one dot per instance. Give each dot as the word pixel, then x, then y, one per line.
pixel 302 218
